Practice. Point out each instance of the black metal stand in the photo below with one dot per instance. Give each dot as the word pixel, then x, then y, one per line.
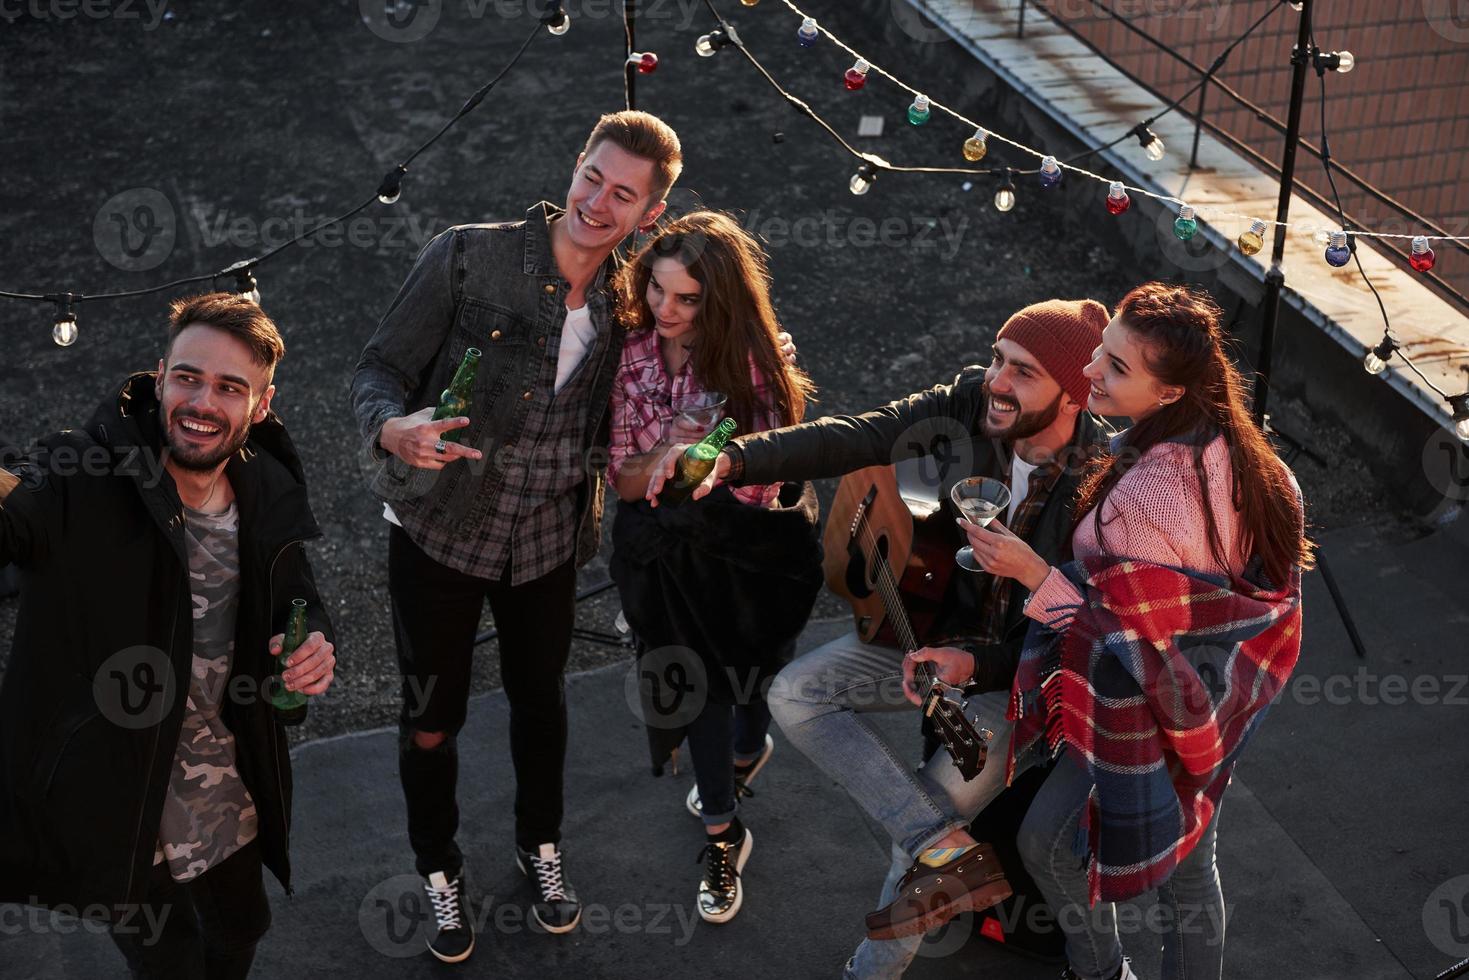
pixel 630 72
pixel 1298 449
pixel 591 636
pixel 1275 277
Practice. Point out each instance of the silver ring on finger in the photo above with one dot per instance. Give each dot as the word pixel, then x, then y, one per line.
pixel 441 447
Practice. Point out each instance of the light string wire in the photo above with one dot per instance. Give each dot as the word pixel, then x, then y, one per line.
pixel 1199 209
pixel 68 299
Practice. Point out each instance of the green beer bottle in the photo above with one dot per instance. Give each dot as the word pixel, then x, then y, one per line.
pixel 695 464
pixel 454 402
pixel 290 706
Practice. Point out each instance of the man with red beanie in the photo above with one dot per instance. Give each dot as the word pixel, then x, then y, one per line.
pixel 1021 420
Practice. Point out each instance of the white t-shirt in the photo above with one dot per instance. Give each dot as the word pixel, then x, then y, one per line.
pixel 577 338
pixel 1020 472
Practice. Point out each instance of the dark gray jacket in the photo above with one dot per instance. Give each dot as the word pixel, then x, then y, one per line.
pixel 941 424
pixel 495 287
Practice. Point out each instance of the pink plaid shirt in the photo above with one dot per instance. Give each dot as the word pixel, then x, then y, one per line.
pixel 642 408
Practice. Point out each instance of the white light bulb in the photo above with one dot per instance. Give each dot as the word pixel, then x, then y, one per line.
pixel 65 331
pixel 561 28
pixel 704 46
pixel 1346 61
pixel 1462 429
pixel 390 198
pixel 859 184
pixel 1373 363
pixel 1155 150
pixel 1005 199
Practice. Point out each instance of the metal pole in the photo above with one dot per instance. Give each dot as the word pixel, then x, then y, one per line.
pixel 1193 160
pixel 1020 27
pixel 630 73
pixel 1275 278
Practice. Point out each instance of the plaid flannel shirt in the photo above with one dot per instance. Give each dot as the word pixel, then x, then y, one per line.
pixel 643 395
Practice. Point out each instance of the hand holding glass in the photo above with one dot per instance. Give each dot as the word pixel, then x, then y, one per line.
pixel 980 500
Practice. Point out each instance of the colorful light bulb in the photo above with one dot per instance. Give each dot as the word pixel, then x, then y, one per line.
pixel 646 62
pixel 1187 226
pixel 1422 257
pixel 976 146
pixel 1117 199
pixel 808 33
pixel 862 180
pixel 1376 360
pixel 1051 172
pixel 919 112
pixel 749 3
pixel 1338 253
pixel 856 76
pixel 1253 240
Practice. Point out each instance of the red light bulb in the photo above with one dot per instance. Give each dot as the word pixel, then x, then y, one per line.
pixel 1117 199
pixel 646 62
pixel 1422 257
pixel 856 76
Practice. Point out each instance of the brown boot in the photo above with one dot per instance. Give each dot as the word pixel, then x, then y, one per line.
pixel 929 897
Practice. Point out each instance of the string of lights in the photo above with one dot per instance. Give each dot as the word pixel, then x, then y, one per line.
pixel 1052 169
pixel 65 328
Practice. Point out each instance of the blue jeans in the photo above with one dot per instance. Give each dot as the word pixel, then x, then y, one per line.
pixel 720 733
pixel 1191 899
pixel 821 701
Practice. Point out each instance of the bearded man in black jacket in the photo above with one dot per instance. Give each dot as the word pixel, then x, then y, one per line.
pixel 144 777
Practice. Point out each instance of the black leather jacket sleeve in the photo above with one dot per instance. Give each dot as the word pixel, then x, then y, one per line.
pixel 839 444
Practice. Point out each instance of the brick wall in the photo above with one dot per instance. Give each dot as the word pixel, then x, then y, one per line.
pixel 1400 120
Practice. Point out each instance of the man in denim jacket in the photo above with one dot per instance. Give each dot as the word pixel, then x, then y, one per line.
pixel 509 509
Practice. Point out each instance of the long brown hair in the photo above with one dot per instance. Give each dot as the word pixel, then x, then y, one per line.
pixel 1183 345
pixel 735 322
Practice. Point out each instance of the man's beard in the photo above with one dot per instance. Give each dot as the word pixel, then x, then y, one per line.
pixel 1026 424
pixel 198 458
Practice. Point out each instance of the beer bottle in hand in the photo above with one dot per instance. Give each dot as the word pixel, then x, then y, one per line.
pixel 695 464
pixel 454 402
pixel 290 706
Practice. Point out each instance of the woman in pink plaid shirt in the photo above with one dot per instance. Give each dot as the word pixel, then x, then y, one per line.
pixel 696 302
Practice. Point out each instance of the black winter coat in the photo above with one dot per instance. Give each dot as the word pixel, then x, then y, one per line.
pixel 96 526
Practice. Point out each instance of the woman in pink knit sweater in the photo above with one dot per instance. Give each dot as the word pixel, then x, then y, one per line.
pixel 1192 493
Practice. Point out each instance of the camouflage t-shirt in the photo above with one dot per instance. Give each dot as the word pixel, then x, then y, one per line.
pixel 208 813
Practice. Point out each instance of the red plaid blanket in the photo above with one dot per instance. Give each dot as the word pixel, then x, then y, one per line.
pixel 1160 679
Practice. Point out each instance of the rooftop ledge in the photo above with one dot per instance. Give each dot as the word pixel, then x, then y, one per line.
pixel 1083 93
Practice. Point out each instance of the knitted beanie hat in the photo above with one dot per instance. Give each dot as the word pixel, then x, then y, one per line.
pixel 1061 334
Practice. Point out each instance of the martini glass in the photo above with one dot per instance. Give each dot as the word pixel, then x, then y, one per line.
pixel 702 410
pixel 980 500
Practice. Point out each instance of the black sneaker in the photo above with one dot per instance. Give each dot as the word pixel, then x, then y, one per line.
pixel 454 939
pixel 557 910
pixel 720 892
pixel 743 777
pixel 1124 972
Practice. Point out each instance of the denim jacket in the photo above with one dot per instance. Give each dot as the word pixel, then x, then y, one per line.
pixel 495 287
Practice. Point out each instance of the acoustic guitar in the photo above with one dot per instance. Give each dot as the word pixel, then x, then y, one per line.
pixel 884 550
